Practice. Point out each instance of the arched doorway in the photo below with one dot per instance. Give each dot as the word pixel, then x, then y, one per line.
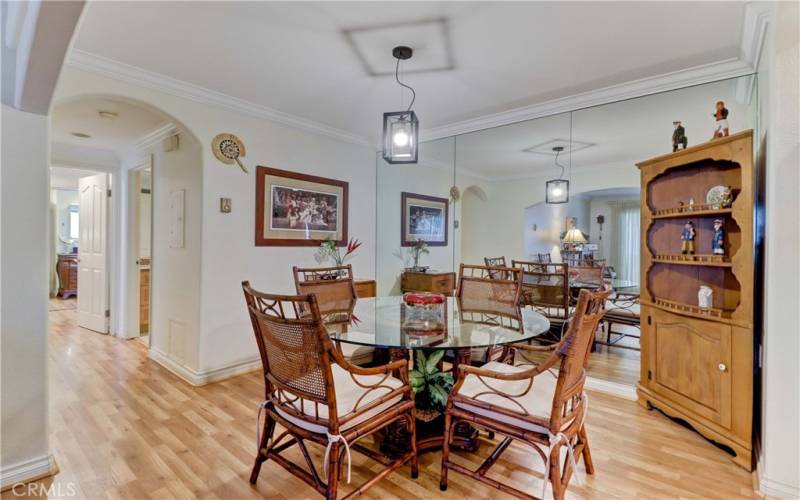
pixel 144 154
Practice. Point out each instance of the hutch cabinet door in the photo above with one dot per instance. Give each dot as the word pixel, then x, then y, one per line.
pixel 690 363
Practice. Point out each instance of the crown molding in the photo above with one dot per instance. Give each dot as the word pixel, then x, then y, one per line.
pixel 697 75
pixel 110 68
pixel 754 35
pixel 154 137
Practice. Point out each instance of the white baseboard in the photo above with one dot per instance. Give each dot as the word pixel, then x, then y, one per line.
pixel 27 471
pixel 198 378
pixel 615 389
pixel 776 489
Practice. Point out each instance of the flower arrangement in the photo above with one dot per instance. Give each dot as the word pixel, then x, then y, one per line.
pixel 419 248
pixel 329 250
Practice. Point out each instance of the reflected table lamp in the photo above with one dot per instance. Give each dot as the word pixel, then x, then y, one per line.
pixel 573 238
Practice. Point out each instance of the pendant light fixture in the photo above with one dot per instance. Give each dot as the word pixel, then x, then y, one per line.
pixel 557 190
pixel 401 128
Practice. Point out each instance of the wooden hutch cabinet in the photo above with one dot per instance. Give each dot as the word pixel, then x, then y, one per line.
pixel 697 363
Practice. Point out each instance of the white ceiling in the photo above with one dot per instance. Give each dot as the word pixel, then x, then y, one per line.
pixel 81 115
pixel 296 57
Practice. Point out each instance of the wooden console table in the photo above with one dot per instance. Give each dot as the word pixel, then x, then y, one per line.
pixel 434 282
pixel 365 288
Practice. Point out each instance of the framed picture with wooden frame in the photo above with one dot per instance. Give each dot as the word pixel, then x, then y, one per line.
pixel 294 209
pixel 423 218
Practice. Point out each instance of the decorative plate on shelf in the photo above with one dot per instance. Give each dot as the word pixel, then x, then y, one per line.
pixel 716 196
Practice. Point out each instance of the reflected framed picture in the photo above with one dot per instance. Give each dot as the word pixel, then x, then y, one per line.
pixel 294 209
pixel 423 218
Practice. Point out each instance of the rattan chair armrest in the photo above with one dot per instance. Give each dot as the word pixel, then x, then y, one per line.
pixel 400 365
pixel 464 370
pixel 537 348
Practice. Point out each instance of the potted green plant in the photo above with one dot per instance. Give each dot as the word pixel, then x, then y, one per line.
pixel 418 249
pixel 431 386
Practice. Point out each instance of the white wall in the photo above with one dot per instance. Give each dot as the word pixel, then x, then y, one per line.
pixel 602 205
pixel 175 273
pixel 550 223
pixel 24 202
pixel 503 216
pixel 226 252
pixel 779 86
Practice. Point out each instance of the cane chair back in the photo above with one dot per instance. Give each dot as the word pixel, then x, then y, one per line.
pixel 490 295
pixel 587 275
pixel 334 288
pixel 545 288
pixel 293 344
pixel 543 258
pixel 574 349
pixel 495 262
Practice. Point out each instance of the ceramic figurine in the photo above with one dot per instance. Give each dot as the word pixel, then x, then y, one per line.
pixel 687 238
pixel 727 197
pixel 691 202
pixel 721 115
pixel 705 297
pixel 718 242
pixel 679 137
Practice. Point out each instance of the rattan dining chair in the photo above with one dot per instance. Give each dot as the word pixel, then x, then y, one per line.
pixel 531 404
pixel 622 309
pixel 495 262
pixel 489 295
pixel 545 289
pixel 336 296
pixel 318 396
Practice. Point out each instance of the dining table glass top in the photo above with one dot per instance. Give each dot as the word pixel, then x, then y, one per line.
pixel 384 322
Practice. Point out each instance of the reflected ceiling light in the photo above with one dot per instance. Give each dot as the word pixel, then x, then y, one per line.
pixel 557 190
pixel 401 128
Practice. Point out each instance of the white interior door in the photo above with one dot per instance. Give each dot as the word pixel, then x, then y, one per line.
pixel 92 253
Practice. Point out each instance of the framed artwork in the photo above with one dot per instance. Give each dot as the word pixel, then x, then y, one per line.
pixel 295 209
pixel 570 222
pixel 423 218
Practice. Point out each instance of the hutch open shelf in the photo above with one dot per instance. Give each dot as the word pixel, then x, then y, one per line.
pixel 697 363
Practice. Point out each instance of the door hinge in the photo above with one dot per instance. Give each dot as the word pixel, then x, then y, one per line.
pixel 649 375
pixel 649 320
pixel 109 193
pixel 108 313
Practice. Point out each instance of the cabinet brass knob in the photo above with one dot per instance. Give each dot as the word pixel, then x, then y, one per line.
pixel 722 367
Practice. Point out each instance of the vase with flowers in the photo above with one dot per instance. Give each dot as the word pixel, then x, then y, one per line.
pixel 417 250
pixel 329 250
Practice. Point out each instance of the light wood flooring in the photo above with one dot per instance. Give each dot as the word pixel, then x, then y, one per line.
pixel 121 426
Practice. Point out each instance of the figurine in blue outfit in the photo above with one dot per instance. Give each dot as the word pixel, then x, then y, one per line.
pixel 687 238
pixel 718 243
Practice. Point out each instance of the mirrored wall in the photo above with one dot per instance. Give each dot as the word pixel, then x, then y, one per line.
pixel 483 194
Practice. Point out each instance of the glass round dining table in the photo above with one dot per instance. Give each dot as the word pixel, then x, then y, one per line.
pixel 387 323
pixel 381 322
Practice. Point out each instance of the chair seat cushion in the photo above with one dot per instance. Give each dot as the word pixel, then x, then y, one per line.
pixel 349 397
pixel 358 354
pixel 537 402
pixel 622 311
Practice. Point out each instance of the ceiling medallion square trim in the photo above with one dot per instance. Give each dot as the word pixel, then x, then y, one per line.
pixel 431 44
pixel 546 148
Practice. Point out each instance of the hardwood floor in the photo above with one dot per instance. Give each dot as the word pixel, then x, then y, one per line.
pixel 123 427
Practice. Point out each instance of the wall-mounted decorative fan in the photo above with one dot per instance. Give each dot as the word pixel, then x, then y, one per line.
pixel 228 149
pixel 455 194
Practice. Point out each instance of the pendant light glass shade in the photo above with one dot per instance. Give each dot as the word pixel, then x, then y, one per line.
pixel 400 137
pixel 557 191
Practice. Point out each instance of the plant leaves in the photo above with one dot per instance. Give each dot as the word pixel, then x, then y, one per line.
pixel 438 396
pixel 433 360
pixel 419 363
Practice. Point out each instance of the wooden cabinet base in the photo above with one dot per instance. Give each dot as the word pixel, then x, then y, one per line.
pixel 743 454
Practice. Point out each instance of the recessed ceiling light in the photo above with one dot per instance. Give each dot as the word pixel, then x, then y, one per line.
pixel 81 135
pixel 109 115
